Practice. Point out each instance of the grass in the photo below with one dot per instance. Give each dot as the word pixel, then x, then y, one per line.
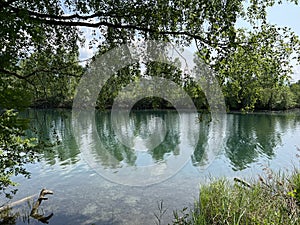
pixel 273 199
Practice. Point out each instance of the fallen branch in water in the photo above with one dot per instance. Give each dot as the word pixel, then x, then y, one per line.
pixel 34 212
pixel 13 204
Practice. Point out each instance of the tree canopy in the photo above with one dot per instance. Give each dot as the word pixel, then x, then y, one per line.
pixel 52 25
pixel 53 29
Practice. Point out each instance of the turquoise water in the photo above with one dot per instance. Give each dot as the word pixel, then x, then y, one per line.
pixel 108 175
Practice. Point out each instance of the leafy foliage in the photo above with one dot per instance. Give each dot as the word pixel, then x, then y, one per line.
pixel 15 151
pixel 56 79
pixel 39 44
pixel 260 67
pixel 295 89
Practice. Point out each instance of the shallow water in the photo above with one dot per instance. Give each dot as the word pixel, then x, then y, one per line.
pixel 102 175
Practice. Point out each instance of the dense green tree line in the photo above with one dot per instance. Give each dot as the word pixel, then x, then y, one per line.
pixel 40 41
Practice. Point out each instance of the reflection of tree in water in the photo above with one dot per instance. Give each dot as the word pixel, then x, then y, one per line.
pixel 169 145
pixel 53 127
pixel 141 124
pixel 289 120
pixel 111 145
pixel 266 135
pixel 241 147
pixel 202 145
pixel 169 141
pixel 248 136
pixel 253 135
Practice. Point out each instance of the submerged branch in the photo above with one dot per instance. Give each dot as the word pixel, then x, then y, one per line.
pixel 34 211
pixel 13 204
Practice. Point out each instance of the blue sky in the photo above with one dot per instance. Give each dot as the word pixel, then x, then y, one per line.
pixel 284 15
pixel 287 14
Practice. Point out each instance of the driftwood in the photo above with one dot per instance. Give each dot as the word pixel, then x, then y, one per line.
pixel 34 212
pixel 13 204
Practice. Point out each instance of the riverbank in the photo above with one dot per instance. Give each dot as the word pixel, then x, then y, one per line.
pixel 272 199
pixel 146 105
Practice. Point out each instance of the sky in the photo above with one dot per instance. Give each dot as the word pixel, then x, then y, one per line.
pixel 284 15
pixel 288 15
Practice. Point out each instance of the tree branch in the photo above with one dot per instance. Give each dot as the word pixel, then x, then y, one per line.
pixel 25 77
pixel 51 16
pixel 123 26
pixel 4 4
pixel 69 21
pixel 12 73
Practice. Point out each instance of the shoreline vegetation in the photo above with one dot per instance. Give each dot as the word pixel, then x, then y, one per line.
pixel 68 107
pixel 272 199
pixel 288 100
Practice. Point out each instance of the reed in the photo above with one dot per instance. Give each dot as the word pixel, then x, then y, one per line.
pixel 272 199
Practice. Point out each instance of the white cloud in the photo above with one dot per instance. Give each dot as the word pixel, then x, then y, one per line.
pixel 296 74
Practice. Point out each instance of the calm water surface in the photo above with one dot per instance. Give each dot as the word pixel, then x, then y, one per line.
pixel 81 173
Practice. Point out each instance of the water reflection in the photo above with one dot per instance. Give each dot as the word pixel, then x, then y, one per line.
pixel 53 129
pixel 147 148
pixel 80 195
pixel 248 137
pixel 8 218
pixel 252 136
pixel 137 131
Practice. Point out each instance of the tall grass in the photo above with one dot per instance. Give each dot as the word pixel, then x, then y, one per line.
pixel 274 199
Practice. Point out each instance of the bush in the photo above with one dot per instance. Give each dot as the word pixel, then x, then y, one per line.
pixel 15 150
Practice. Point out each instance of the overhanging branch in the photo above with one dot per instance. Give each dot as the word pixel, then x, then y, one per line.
pixel 122 26
pixel 43 70
pixel 77 20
